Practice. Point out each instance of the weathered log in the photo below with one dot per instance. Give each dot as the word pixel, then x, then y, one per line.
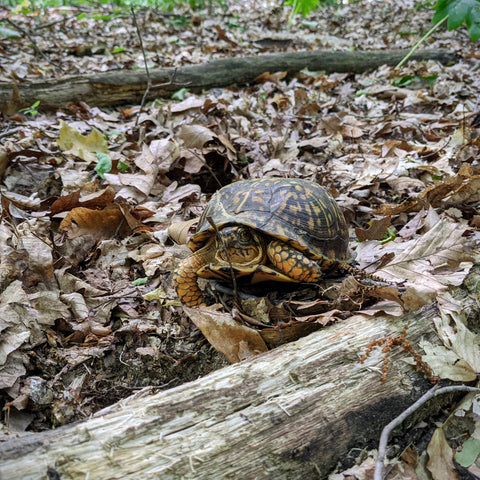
pixel 122 86
pixel 291 413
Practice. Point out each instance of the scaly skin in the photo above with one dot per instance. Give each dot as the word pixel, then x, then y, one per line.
pixel 293 263
pixel 185 278
pixel 286 259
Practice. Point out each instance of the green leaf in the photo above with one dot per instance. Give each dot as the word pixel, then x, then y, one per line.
pixel 359 93
pixel 388 237
pixel 122 166
pixel 469 453
pixel 441 8
pixel 302 6
pixel 32 109
pixel 104 17
pixel 140 281
pixel 411 79
pixel 179 94
pixel 104 164
pixel 404 81
pixel 459 12
pixel 8 33
pixel 473 23
pixel 430 79
pixel 311 25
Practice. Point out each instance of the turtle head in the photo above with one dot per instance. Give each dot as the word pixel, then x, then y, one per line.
pixel 239 244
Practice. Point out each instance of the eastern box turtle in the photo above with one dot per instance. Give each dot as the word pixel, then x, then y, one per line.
pixel 280 229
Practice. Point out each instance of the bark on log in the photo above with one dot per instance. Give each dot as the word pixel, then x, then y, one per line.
pixel 121 86
pixel 291 413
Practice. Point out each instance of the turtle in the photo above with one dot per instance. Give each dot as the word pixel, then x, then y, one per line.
pixel 280 229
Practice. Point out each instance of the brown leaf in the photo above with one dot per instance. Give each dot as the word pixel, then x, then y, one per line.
pixel 193 162
pixel 222 35
pixel 469 192
pixel 352 131
pixel 187 104
pixel 195 136
pixel 434 194
pixel 180 231
pixel 236 341
pixel 440 462
pixel 84 147
pixel 414 299
pixel 386 292
pixel 94 201
pixel 101 224
pixel 411 205
pixel 14 103
pixel 134 216
pixel 270 77
pixel 375 231
pixel 413 226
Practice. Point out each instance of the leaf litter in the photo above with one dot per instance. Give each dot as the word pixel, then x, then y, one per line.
pixel 88 312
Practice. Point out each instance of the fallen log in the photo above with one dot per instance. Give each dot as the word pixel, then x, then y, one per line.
pixel 123 86
pixel 290 413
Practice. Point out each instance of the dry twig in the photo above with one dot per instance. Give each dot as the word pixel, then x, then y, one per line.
pixel 382 446
pixel 227 255
pixel 149 81
pixel 34 43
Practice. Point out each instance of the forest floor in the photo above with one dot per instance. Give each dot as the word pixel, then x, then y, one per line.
pixel 88 313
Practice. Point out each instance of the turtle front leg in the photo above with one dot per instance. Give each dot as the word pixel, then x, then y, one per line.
pixel 185 277
pixel 185 281
pixel 293 263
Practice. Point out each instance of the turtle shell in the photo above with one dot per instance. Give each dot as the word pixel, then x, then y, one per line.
pixel 298 212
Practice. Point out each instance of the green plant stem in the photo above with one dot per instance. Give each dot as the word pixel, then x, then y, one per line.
pixel 415 47
pixel 292 13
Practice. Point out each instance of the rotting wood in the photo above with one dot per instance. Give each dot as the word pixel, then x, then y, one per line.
pixel 291 413
pixel 126 86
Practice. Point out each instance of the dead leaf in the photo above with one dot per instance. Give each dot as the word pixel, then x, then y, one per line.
pixel 417 259
pixel 195 136
pixel 165 152
pixel 440 462
pixel 40 261
pixel 15 102
pixel 459 338
pixel 435 193
pixel 352 131
pixel 187 104
pixel 222 35
pixel 93 201
pixel 84 147
pixel 270 77
pixel 101 224
pixel 414 298
pixel 174 193
pixel 227 336
pixel 193 162
pixel 405 184
pixel 469 192
pixel 411 205
pixel 446 364
pixel 413 226
pixel 179 231
pixel 375 231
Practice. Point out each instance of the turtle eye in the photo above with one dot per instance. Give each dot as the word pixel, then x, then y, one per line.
pixel 244 235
